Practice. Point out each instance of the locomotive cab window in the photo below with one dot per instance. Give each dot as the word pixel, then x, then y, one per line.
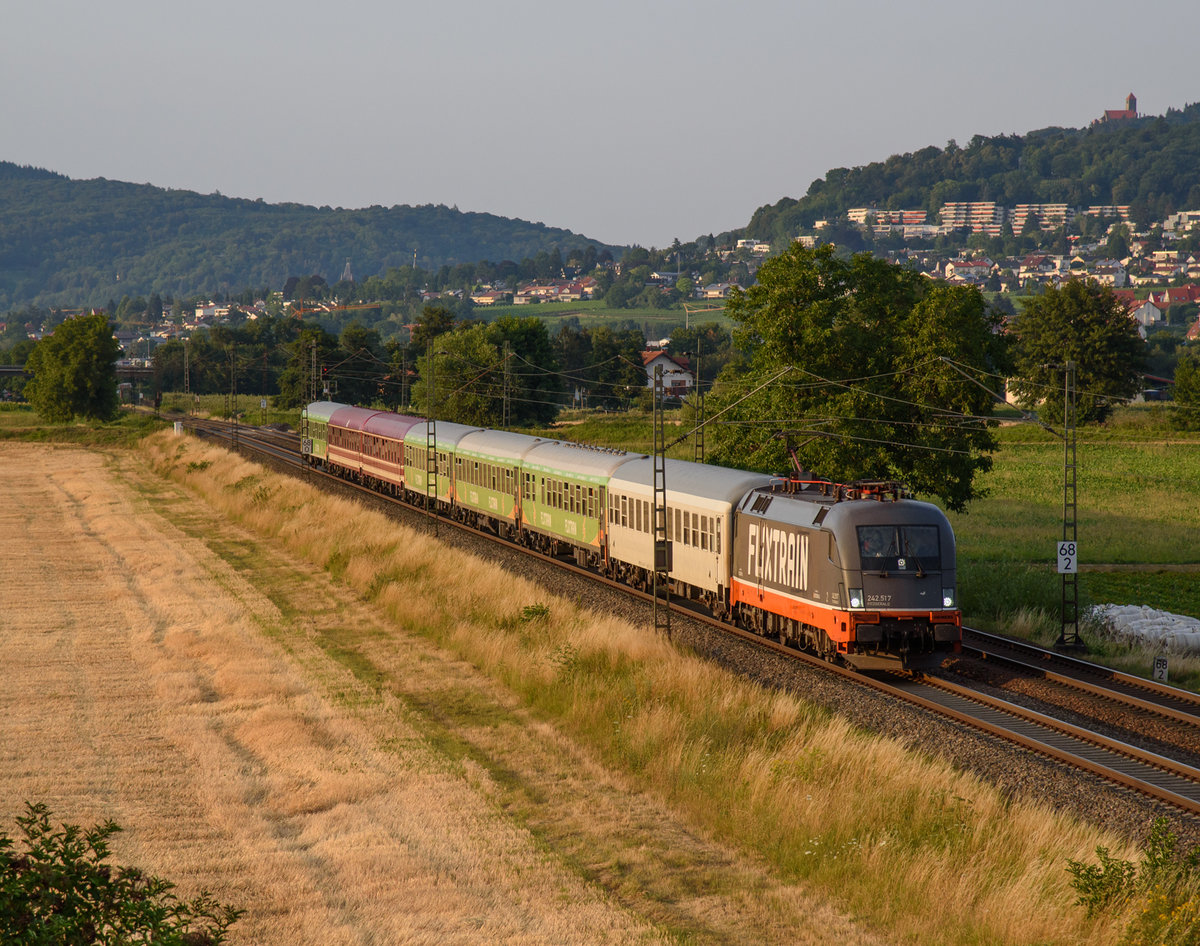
pixel 899 548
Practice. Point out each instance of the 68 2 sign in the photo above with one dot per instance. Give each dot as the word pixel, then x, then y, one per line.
pixel 1068 558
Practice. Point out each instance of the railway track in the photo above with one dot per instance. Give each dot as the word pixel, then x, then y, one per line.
pixel 1136 692
pixel 1167 775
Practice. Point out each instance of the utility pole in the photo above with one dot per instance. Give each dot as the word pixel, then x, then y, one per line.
pixel 1068 550
pixel 404 378
pixel 233 394
pixel 698 443
pixel 263 392
pixel 187 383
pixel 312 374
pixel 506 414
pixel 431 445
pixel 661 580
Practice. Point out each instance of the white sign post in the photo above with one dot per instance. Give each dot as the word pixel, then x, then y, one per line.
pixel 1068 558
pixel 1160 668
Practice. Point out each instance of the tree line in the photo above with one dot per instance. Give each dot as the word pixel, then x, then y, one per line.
pixel 852 367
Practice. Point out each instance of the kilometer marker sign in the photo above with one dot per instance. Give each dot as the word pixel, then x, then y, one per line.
pixel 1068 558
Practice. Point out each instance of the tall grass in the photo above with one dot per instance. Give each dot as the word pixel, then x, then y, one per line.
pixel 933 855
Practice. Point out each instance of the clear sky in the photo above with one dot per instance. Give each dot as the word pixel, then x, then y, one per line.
pixel 628 122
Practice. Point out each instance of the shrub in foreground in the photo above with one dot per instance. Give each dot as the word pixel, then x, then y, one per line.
pixel 1161 892
pixel 58 891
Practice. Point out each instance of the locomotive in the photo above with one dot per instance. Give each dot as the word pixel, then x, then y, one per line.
pixel 856 573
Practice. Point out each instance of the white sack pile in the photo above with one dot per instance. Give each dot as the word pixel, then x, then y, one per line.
pixel 1171 633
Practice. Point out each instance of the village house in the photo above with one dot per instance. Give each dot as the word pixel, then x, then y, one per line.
pixel 211 311
pixel 561 291
pixel 1108 273
pixel 676 372
pixel 1146 314
pixel 972 272
pixel 489 296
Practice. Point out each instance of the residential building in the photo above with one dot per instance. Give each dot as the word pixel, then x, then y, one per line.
pixel 1049 216
pixel 978 216
pixel 677 374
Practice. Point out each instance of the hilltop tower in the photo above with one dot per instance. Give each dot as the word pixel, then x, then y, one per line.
pixel 1120 114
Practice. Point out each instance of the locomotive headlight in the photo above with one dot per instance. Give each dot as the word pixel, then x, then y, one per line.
pixel 856 598
pixel 947 597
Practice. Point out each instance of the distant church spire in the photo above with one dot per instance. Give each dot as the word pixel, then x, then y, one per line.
pixel 347 276
pixel 1131 103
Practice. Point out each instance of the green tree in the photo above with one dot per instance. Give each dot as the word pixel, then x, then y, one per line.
pixel 534 381
pixel 362 367
pixel 56 889
pixel 711 341
pixel 433 321
pixel 614 375
pixel 74 371
pixel 1117 245
pixel 296 379
pixel 1187 389
pixel 860 365
pixel 1083 322
pixel 467 379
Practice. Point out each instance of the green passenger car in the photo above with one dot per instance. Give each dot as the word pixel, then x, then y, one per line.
pixel 417 462
pixel 487 473
pixel 314 430
pixel 564 490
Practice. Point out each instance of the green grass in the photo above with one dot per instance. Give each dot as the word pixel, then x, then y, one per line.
pixel 217 405
pixel 21 422
pixel 629 430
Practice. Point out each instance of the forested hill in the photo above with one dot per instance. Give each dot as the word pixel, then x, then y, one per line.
pixel 75 243
pixel 1152 164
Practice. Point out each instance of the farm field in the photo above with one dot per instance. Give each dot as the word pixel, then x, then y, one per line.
pixel 357 741
pixel 1138 528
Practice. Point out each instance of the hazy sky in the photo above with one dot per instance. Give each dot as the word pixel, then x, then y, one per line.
pixel 628 122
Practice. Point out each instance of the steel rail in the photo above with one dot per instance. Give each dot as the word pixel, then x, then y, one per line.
pixel 1148 695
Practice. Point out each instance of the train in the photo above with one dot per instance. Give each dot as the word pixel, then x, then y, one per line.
pixel 856 573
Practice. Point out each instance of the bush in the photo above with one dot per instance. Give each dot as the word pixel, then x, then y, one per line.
pixel 58 891
pixel 1165 885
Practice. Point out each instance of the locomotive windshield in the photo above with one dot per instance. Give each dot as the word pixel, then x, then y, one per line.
pixel 899 548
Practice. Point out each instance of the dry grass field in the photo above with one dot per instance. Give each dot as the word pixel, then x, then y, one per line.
pixel 169 669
